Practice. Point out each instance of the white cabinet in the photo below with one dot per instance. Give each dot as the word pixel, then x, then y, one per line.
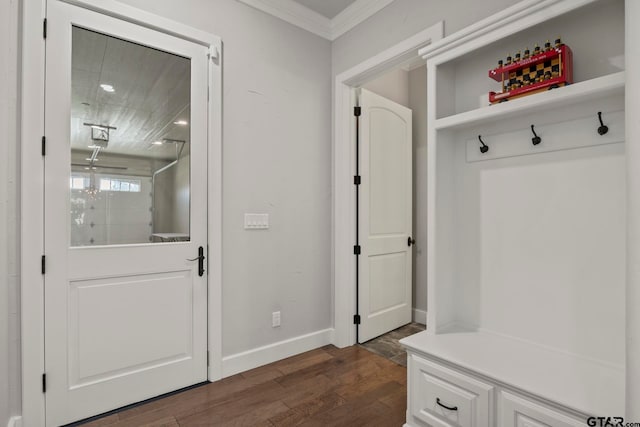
pixel 526 247
pixel 442 394
pixel 517 411
pixel 443 397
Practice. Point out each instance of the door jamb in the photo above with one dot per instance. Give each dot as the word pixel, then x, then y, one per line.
pixel 343 161
pixel 32 92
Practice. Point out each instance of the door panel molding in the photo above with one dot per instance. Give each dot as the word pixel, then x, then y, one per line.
pixel 32 125
pixel 386 212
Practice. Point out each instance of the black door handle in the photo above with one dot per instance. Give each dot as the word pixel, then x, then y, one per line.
pixel 410 241
pixel 200 260
pixel 450 408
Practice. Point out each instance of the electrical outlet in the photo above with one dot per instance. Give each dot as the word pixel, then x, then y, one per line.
pixel 275 319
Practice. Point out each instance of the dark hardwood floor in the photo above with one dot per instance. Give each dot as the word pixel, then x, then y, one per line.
pixel 388 345
pixel 323 387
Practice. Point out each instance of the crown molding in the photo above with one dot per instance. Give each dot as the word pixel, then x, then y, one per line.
pixel 296 14
pixel 357 12
pixel 305 18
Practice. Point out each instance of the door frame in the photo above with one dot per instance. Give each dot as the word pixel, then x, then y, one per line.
pixel 32 188
pixel 343 162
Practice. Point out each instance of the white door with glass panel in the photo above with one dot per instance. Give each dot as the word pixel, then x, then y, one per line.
pixel 125 213
pixel 384 298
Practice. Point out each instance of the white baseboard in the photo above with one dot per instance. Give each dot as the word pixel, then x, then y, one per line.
pixel 15 421
pixel 420 316
pixel 260 356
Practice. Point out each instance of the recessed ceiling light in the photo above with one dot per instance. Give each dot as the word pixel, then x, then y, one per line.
pixel 157 142
pixel 107 87
pixel 181 122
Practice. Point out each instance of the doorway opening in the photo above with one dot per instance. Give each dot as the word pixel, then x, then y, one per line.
pixel 380 73
pixel 391 203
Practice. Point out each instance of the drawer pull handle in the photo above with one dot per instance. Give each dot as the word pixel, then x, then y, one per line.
pixel 451 408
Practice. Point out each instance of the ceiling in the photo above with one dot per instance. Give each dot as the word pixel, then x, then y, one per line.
pixel 327 8
pixel 151 91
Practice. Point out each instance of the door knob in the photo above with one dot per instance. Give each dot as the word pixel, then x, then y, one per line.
pixel 410 241
pixel 200 260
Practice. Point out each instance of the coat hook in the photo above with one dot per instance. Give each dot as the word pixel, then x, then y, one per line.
pixel 603 128
pixel 536 139
pixel 484 147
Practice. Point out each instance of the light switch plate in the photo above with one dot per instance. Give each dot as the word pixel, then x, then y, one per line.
pixel 254 221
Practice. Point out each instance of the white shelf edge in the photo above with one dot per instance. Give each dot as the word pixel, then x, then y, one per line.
pixel 572 94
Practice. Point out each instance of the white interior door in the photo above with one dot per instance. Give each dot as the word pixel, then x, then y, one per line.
pixel 385 298
pixel 125 211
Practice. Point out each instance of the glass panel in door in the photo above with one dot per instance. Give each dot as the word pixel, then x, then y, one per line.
pixel 130 142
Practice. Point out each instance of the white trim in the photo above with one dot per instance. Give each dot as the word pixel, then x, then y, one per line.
pixel 260 356
pixel 413 65
pixel 214 222
pixel 343 162
pixel 522 15
pixel 15 421
pixel 32 213
pixel 419 316
pixel 32 178
pixel 301 16
pixel 356 13
pixel 632 111
pixel 295 14
pixel 145 19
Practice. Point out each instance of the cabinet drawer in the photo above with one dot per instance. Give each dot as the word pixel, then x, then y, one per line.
pixel 443 397
pixel 516 411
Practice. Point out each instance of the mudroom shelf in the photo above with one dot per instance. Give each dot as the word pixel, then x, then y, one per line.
pixel 578 93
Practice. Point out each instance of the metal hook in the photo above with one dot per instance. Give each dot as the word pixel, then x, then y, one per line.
pixel 484 147
pixel 603 128
pixel 536 139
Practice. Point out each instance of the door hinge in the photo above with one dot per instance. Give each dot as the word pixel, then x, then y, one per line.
pixel 356 319
pixel 356 250
pixel 44 28
pixel 43 264
pixel 44 145
pixel 357 180
pixel 207 357
pixel 357 111
pixel 44 383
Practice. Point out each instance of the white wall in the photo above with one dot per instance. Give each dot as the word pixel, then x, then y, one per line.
pixel 418 104
pixel 402 19
pixel 393 85
pixel 276 159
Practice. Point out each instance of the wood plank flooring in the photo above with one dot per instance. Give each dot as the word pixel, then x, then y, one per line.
pixel 388 345
pixel 324 387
